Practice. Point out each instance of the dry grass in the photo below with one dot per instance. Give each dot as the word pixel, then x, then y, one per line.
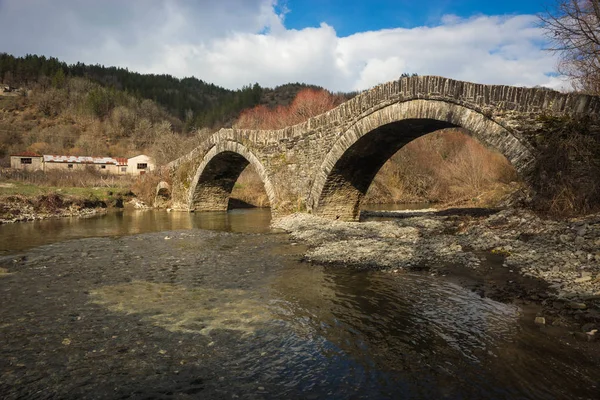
pixel 48 188
pixel 13 206
pixel 89 177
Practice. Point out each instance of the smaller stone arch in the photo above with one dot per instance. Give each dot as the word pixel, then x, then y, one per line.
pixel 162 195
pixel 217 173
pixel 357 155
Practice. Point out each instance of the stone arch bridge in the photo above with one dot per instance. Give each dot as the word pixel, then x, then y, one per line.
pixel 326 164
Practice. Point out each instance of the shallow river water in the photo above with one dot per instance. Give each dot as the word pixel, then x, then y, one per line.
pixel 174 305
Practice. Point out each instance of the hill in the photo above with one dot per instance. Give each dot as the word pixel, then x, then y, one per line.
pixel 196 103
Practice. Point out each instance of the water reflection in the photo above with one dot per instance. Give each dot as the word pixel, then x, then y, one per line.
pixel 367 312
pixel 24 235
pixel 413 336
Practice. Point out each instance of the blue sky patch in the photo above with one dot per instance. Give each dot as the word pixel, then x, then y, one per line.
pixel 352 16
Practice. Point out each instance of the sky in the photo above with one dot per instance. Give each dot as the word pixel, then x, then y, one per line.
pixel 340 45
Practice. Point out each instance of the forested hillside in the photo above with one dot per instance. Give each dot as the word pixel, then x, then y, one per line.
pixel 196 103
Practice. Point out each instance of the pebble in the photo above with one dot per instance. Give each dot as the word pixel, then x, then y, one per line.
pixel 577 306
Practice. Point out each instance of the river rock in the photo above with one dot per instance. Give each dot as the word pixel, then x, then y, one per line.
pixel 576 306
pixel 589 327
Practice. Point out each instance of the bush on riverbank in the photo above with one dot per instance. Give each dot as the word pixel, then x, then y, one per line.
pixel 566 177
pixel 144 186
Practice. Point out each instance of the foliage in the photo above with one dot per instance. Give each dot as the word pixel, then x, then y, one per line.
pixel 446 166
pixel 192 100
pixel 145 185
pixel 573 27
pixel 83 118
pixel 284 95
pixel 307 103
pixel 84 109
pixel 566 175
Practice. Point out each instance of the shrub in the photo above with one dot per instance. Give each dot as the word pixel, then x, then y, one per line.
pixel 566 177
pixel 308 103
pixel 144 186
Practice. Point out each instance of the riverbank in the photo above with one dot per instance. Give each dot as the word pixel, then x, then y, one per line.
pixel 16 208
pixel 32 196
pixel 511 255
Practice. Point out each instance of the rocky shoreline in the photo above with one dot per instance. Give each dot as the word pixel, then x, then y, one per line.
pixel 22 209
pixel 511 255
pixel 18 208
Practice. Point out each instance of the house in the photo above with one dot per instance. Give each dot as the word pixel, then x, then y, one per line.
pixel 139 165
pixel 106 165
pixel 27 161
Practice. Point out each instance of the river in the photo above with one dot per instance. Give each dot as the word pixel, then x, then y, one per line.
pixel 149 304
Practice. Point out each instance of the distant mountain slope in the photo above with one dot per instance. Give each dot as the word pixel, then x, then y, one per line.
pixel 197 103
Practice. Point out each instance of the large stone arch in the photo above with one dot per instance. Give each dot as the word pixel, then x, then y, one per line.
pixel 217 173
pixel 357 155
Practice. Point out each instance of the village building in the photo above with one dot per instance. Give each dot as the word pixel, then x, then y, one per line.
pixel 29 161
pixel 106 165
pixel 139 165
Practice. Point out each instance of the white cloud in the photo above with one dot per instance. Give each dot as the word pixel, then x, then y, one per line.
pixel 237 42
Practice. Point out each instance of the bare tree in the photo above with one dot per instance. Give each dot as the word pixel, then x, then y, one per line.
pixel 573 27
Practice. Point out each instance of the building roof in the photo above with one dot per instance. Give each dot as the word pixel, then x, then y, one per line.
pixel 83 160
pixel 26 154
pixel 140 155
